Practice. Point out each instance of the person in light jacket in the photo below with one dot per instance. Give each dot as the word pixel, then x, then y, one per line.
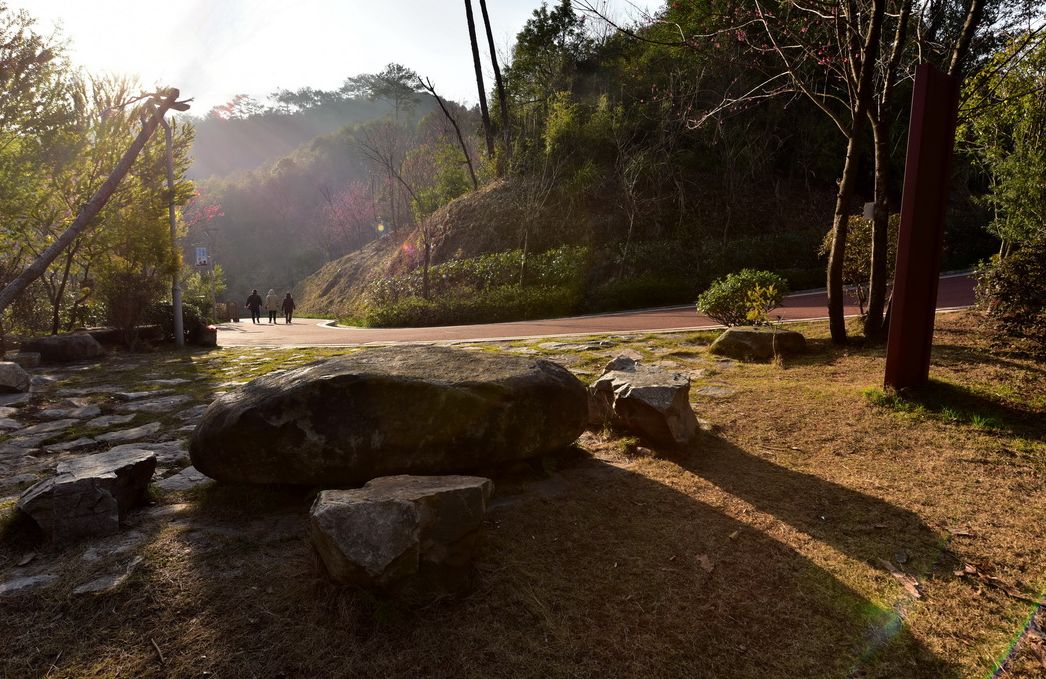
pixel 288 307
pixel 272 305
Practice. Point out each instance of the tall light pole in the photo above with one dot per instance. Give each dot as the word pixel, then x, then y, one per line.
pixel 176 288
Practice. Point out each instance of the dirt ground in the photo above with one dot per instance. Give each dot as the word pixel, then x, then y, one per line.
pixel 818 528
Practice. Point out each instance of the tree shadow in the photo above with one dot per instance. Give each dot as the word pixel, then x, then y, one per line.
pixel 958 403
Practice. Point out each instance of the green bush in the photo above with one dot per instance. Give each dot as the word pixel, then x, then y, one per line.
pixel 1013 292
pixel 162 314
pixel 727 300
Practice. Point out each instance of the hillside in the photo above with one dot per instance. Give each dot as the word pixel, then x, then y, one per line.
pixel 661 267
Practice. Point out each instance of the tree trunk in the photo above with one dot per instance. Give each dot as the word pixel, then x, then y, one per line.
pixel 873 321
pixel 425 269
pixel 56 306
pixel 479 79
pixel 840 229
pixel 502 97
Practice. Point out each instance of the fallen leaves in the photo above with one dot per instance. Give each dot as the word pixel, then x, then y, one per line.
pixel 910 584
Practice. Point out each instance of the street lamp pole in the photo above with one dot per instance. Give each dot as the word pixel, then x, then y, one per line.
pixel 176 288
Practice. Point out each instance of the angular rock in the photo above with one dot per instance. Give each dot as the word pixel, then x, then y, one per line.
pixel 75 346
pixel 13 378
pixel 653 403
pixel 127 435
pixel 758 344
pixel 419 410
pixel 397 527
pixel 88 495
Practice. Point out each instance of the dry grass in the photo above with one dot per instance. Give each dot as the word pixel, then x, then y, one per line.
pixel 756 554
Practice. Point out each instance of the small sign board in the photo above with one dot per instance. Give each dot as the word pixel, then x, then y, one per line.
pixel 201 257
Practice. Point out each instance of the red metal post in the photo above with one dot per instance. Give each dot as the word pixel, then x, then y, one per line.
pixel 924 205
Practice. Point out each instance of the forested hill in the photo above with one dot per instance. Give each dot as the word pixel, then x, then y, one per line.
pixel 230 141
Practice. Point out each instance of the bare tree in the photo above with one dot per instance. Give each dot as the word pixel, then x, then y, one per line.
pixel 479 79
pixel 431 89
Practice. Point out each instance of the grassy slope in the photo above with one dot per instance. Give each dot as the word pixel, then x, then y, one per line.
pixel 756 554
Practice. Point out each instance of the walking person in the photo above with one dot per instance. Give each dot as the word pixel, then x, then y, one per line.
pixel 272 305
pixel 254 303
pixel 288 307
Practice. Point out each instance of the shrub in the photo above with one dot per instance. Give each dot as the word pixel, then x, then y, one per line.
pixel 1013 292
pixel 728 300
pixel 639 292
pixel 162 314
pixel 127 295
pixel 504 303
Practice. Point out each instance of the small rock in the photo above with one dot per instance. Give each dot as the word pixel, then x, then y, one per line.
pixel 41 381
pixel 88 495
pixel 109 582
pixel 16 585
pixel 716 391
pixel 8 412
pixel 7 424
pixel 127 435
pixel 397 527
pixel 13 378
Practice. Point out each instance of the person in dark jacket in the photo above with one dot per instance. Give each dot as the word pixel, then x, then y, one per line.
pixel 254 303
pixel 288 307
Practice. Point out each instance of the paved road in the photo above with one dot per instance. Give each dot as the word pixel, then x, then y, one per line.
pixel 954 291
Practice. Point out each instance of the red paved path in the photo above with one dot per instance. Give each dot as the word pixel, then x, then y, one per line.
pixel 954 291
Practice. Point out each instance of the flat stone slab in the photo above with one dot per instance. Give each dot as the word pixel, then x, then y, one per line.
pixel 48 427
pixel 167 452
pixel 137 395
pixel 7 424
pixel 88 495
pixel 393 410
pixel 106 421
pixel 128 435
pixel 194 413
pixel 109 582
pixel 26 583
pixel 158 405
pixel 397 527
pixel 71 412
pixel 15 400
pixel 186 479
pixel 69 446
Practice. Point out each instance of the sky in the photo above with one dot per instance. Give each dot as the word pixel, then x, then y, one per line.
pixel 214 49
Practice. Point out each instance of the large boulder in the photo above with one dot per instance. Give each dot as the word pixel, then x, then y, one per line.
pixel 653 403
pixel 758 344
pixel 13 378
pixel 75 346
pixel 88 495
pixel 398 527
pixel 395 410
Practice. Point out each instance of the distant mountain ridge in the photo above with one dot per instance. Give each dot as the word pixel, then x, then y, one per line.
pixel 226 146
